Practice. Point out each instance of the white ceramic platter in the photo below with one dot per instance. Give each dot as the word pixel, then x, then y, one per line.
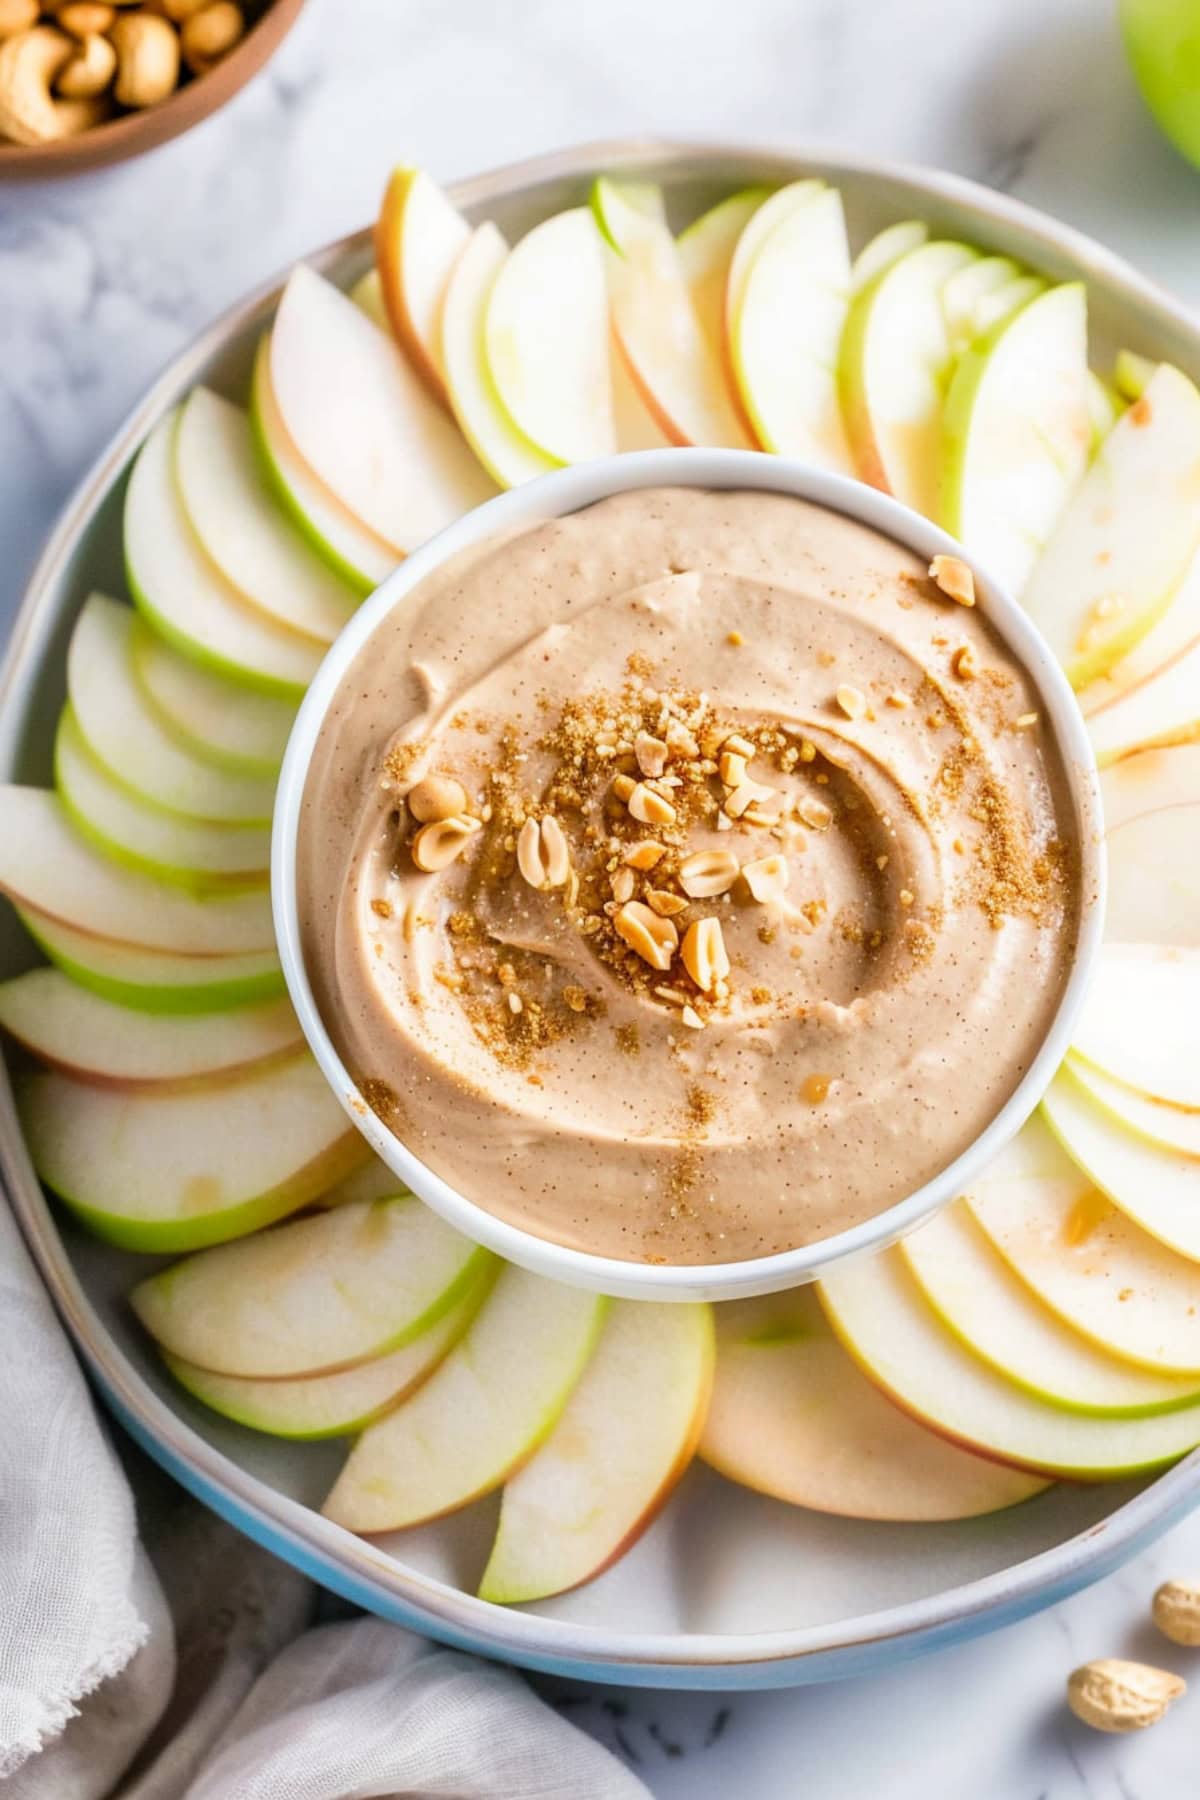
pixel 727 1589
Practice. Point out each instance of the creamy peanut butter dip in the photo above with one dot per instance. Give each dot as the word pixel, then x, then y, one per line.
pixel 689 878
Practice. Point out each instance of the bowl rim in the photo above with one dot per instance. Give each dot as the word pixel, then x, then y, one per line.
pixel 793 1654
pixel 554 495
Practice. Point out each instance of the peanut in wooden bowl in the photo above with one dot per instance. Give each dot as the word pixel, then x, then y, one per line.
pixel 131 133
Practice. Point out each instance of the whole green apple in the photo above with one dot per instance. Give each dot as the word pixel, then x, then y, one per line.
pixel 1163 41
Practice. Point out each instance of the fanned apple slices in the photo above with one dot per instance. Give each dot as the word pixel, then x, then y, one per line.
pixel 154 981
pixel 219 720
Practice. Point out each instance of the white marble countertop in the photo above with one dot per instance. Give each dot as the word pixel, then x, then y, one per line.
pixel 103 278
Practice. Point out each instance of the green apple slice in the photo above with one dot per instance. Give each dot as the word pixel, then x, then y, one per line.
pixel 235 517
pixel 372 1180
pixel 793 1417
pixel 1138 1022
pixel 154 981
pixel 706 251
pixel 894 363
pixel 880 1315
pixel 1163 709
pixel 1127 538
pixel 319 1294
pixel 1152 1122
pixel 624 1440
pixel 758 228
pixel 546 333
pixel 1177 631
pixel 1132 374
pixel 183 594
pixel 92 1039
pixel 977 1296
pixel 337 1405
pixel 995 309
pixel 47 866
pixel 1154 878
pixel 419 236
pixel 785 326
pixel 125 735
pixel 1101 1273
pixel 482 1413
pixel 884 249
pixel 189 853
pixel 501 446
pixel 364 421
pixel 963 292
pixel 367 295
pixel 213 718
pixel 1017 432
pixel 178 1170
pixel 676 369
pixel 1105 407
pixel 361 558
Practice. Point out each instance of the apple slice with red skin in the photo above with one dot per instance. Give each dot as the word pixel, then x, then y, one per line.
pixel 623 1441
pixel 419 237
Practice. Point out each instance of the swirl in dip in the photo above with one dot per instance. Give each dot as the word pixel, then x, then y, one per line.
pixel 689 878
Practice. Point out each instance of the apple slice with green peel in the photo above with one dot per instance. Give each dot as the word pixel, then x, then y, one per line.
pixel 236 519
pixel 92 1039
pixel 1127 537
pixel 155 981
pixel 884 249
pixel 337 1405
pixel 1101 1273
pixel 966 288
pixel 503 449
pixel 215 719
pixel 361 558
pixel 758 228
pixel 894 363
pixel 793 1417
pixel 786 320
pixel 1154 879
pixel 127 738
pixel 623 1442
pixel 190 853
pixel 364 421
pixel 45 865
pixel 1146 783
pixel 1162 710
pixel 1177 631
pixel 372 1180
pixel 547 334
pixel 706 250
pixel 482 1413
pixel 880 1315
pixel 186 598
pixel 1138 1022
pixel 995 309
pixel 1017 432
pixel 976 1294
pixel 367 295
pixel 1105 407
pixel 419 236
pixel 319 1294
pixel 175 1171
pixel 1132 374
pixel 675 368
pixel 1153 1122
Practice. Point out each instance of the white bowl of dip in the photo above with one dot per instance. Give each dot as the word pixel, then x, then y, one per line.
pixel 1059 722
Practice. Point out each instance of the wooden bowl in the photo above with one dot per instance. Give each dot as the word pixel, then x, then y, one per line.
pixel 131 133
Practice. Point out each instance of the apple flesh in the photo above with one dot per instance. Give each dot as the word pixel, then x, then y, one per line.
pixel 501 446
pixel 706 251
pixel 1154 878
pixel 358 555
pixel 1017 432
pixel 176 1171
pixel 482 1413
pixel 1082 1257
pixel 1138 1022
pixel 215 719
pixel 95 1040
pixel 47 867
pixel 884 249
pixel 154 981
pixel 190 853
pixel 1128 535
pixel 1164 645
pixel 313 1296
pixel 235 516
pixel 547 338
pixel 977 1296
pixel 1162 710
pixel 963 292
pixel 363 421
pixel 337 1405
pixel 1154 1122
pixel 758 228
pixel 622 1443
pixel 793 1417
pixel 419 236
pixel 126 737
pixel 367 295
pixel 878 1312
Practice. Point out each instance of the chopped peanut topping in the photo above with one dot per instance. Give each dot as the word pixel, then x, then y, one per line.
pixel 852 701
pixel 645 855
pixel 542 854
pixel 654 939
pixel 707 873
pixel 814 813
pixel 752 793
pixel 691 1018
pixel 439 843
pixel 651 753
pixel 680 741
pixel 899 698
pixel 952 575
pixel 623 884
pixel 767 878
pixel 704 954
pixel 1023 721
pixel 740 746
pixel 732 768
pixel 623 786
pixel 436 797
pixel 963 663
pixel 649 807
pixel 664 903
pixel 815 1088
